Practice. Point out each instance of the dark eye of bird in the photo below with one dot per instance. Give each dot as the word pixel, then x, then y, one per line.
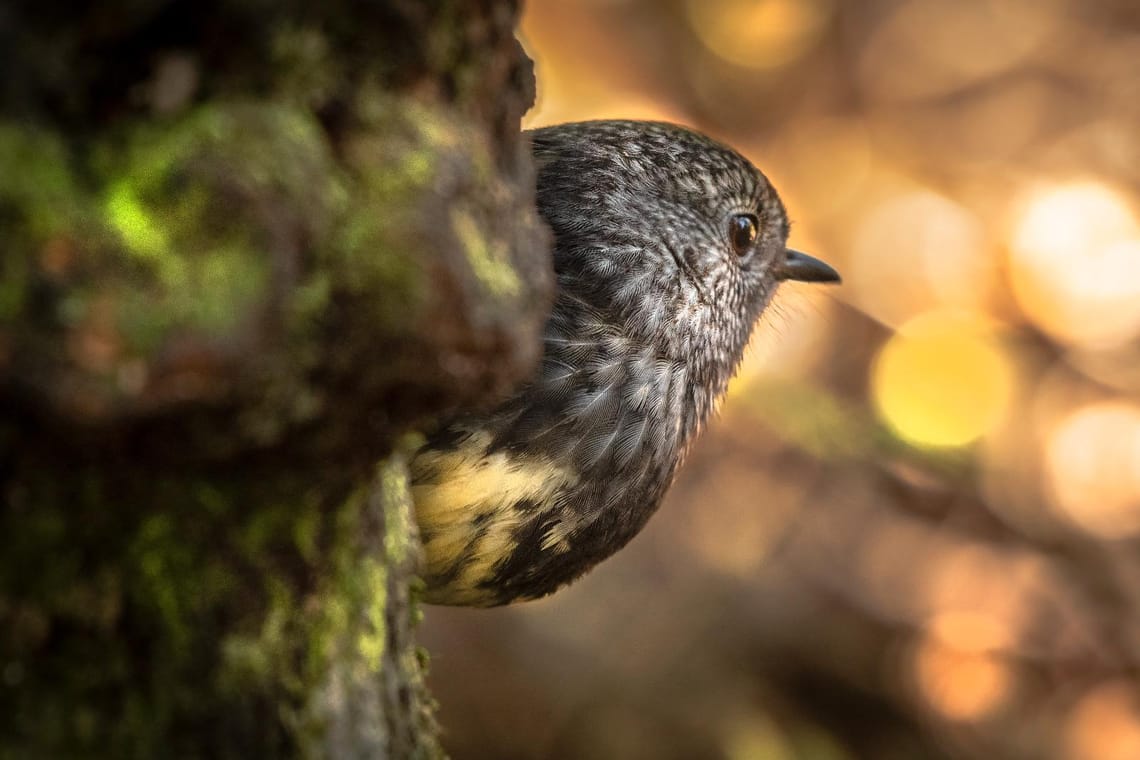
pixel 742 231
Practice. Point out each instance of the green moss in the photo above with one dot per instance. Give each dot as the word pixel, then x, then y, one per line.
pixel 308 301
pixel 144 235
pixel 393 166
pixel 15 274
pixel 488 259
pixel 350 637
pixel 162 564
pixel 401 537
pixel 38 201
pixel 195 209
pixel 306 534
pixel 363 581
pixel 346 593
pixel 264 662
pixel 413 160
pixel 372 637
pixel 37 177
pixel 307 72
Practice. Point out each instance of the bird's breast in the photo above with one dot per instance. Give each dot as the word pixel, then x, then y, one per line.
pixel 563 474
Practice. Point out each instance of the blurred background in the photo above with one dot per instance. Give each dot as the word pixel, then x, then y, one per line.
pixel 913 530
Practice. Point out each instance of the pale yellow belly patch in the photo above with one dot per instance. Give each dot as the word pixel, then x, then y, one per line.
pixel 468 505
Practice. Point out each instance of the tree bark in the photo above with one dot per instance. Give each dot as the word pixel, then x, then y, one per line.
pixel 245 248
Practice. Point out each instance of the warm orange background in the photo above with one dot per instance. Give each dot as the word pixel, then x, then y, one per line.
pixel 913 532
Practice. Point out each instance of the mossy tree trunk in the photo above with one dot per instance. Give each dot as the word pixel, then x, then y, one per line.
pixel 245 248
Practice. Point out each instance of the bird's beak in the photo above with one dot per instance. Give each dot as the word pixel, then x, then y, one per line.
pixel 800 266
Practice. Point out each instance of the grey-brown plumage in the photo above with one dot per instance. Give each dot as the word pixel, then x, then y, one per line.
pixel 667 247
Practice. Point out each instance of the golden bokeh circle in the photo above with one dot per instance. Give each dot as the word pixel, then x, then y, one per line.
pixel 942 380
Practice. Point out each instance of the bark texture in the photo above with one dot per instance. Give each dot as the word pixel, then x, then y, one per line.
pixel 245 247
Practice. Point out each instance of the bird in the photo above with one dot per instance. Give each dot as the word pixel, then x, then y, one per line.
pixel 667 247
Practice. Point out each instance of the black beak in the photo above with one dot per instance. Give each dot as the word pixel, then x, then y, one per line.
pixel 800 266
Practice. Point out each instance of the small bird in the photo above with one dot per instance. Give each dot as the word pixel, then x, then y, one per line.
pixel 667 248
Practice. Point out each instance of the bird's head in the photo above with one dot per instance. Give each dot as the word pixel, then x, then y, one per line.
pixel 676 235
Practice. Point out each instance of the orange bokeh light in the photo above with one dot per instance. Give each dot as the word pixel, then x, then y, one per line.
pixel 916 251
pixel 1105 725
pixel 1093 462
pixel 758 34
pixel 958 668
pixel 1075 264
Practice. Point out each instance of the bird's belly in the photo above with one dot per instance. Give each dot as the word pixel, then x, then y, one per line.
pixel 469 506
pixel 500 527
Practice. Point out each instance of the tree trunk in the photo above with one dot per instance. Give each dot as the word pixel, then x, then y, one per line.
pixel 245 247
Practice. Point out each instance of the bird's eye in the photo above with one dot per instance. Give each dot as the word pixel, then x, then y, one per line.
pixel 742 231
